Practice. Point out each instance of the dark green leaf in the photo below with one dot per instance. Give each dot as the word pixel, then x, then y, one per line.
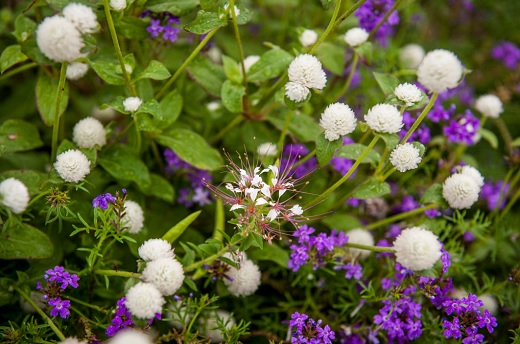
pixel 271 64
pixel 391 140
pixel 23 28
pixel 46 89
pixel 190 284
pixel 434 195
pixel 371 189
pixel 332 56
pixel 387 82
pixel 365 51
pixel 325 149
pixel 25 242
pixel 133 28
pixel 11 56
pixel 16 135
pixel 171 106
pixel 123 163
pixel 207 4
pixel 342 222
pixel 354 151
pixel 206 74
pixel 159 187
pixel 205 22
pixel 177 7
pixel 155 71
pixel 232 94
pixel 304 127
pixel 108 71
pixel 272 253
pixel 7 294
pixel 232 70
pixel 176 231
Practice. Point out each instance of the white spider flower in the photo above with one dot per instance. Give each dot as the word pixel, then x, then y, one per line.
pixel 209 324
pixel 131 104
pixel 166 274
pixel 118 5
pixel 296 92
pixel 408 93
pixel 72 340
pixel 440 70
pixel 384 118
pixel 489 105
pixel 267 149
pixel 307 71
pixel 72 165
pixel 356 36
pixel 411 55
pixel 153 249
pixel 144 300
pixel 14 195
pixel 472 172
pixel 104 115
pixel 308 38
pixel 362 237
pixel 82 16
pixel 417 249
pixel 460 191
pixel 76 70
pixel 134 216
pixel 249 61
pixel 58 39
pixel 405 157
pixel 89 132
pixel 130 336
pixel 245 280
pixel 338 119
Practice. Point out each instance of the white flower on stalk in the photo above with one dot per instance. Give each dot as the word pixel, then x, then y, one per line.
pixel 307 71
pixel 72 165
pixel 209 324
pixel 411 55
pixel 131 104
pixel 130 336
pixel 356 36
pixel 153 249
pixel 308 38
pixel 489 105
pixel 362 237
pixel 166 274
pixel 267 149
pixel 440 70
pixel 14 195
pixel 134 216
pixel 249 61
pixel 89 132
pixel 296 92
pixel 76 70
pixel 245 280
pixel 384 118
pixel 460 191
pixel 338 119
pixel 118 5
pixel 58 39
pixel 417 249
pixel 408 93
pixel 405 157
pixel 144 300
pixel 82 16
pixel 472 172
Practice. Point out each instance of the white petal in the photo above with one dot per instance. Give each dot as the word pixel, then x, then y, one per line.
pixel 296 210
pixel 253 192
pixel 273 213
pixel 236 206
pixel 261 201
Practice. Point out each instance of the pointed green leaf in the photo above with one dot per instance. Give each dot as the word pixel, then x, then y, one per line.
pixel 273 253
pixel 176 231
pixel 24 27
pixel 205 22
pixel 490 137
pixel 206 74
pixel 108 71
pixel 155 70
pixel 232 69
pixel 434 195
pixel 387 82
pixel 353 151
pixel 16 135
pixel 271 64
pixel 332 56
pixel 46 89
pixel 325 149
pixel 123 163
pixel 11 56
pixel 371 189
pixel 232 96
pixel 171 106
pixel 177 7
pixel 25 242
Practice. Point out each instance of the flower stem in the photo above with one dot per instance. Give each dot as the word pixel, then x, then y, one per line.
pixel 86 304
pixel 117 273
pixel 329 27
pixel 401 216
pixel 387 174
pixel 504 132
pixel 370 248
pixel 211 258
pixel 18 70
pixel 353 67
pixel 59 95
pixel 237 38
pixel 385 18
pixel 420 118
pixel 288 120
pixel 236 121
pixel 220 220
pixel 348 12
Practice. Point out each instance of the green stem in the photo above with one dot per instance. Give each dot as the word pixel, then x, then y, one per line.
pixel 353 67
pixel 420 118
pixel 283 79
pixel 387 174
pixel 18 70
pixel 329 27
pixel 288 120
pixel 117 273
pixel 236 121
pixel 42 313
pixel 349 12
pixel 511 201
pixel 398 217
pixel 220 220
pixel 83 303
pixel 239 42
pixel 370 248
pixel 211 258
pixel 404 72
pixel 59 95
pixel 40 195
pixel 178 72
pixel 305 158
pixel 504 132
pixel 385 18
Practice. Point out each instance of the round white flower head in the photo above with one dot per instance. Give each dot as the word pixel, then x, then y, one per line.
pixel 73 340
pixel 460 190
pixel 76 70
pixel 72 165
pixel 267 149
pixel 417 249
pixel 362 237
pixel 166 274
pixel 134 216
pixel 153 249
pixel 490 303
pixel 130 336
pixel 118 5
pixel 489 105
pixel 209 324
pixel 411 55
pixel 356 36
pixel 306 70
pixel 308 38
pixel 296 92
pixel 405 157
pixel 82 16
pixel 245 280
pixel 439 70
pixel 408 93
pixel 14 195
pixel 144 300
pixel 58 39
pixel 89 132
pixel 338 119
pixel 249 61
pixel 131 104
pixel 384 118
pixel 472 172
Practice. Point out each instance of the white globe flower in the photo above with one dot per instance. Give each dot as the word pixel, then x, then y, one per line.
pixel 460 191
pixel 472 172
pixel 356 36
pixel 134 217
pixel 14 195
pixel 411 55
pixel 118 5
pixel 166 274
pixel 296 92
pixel 307 71
pixel 417 249
pixel 130 336
pixel 362 237
pixel 153 249
pixel 245 280
pixel 144 300
pixel 72 165
pixel 209 325
pixel 408 93
pixel 249 61
pixel 338 119
pixel 131 104
pixel 76 70
pixel 267 149
pixel 83 17
pixel 489 105
pixel 308 38
pixel 384 118
pixel 58 39
pixel 72 340
pixel 440 70
pixel 89 132
pixel 405 157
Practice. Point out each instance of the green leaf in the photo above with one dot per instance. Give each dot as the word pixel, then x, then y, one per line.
pixel 17 135
pixel 206 74
pixel 332 56
pixel 387 82
pixel 177 7
pixel 159 187
pixel 434 195
pixel 205 22
pixel 152 107
pixel 23 28
pixel 420 147
pixel 365 51
pixel 155 70
pixel 371 189
pixel 271 64
pixel 272 253
pixel 190 284
pixel 25 242
pixel 304 127
pixel 490 137
pixel 31 179
pixel 232 70
pixel 232 94
pixel 11 56
pixel 133 28
pixel 197 153
pixel 7 294
pixel 171 106
pixel 46 89
pixel 516 142
pixel 176 231
pixel 353 151
pixel 123 163
pixel 325 149
pixel 326 3
pixel 391 140
pixel 207 4
pixel 342 222
pixel 108 71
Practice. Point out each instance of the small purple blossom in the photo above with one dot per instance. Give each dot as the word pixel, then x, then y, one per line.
pixel 372 12
pixel 495 194
pixel 122 319
pixel 61 277
pixel 155 28
pixel 60 307
pixel 508 53
pixel 103 200
pixel 463 130
pixel 307 330
pixel 352 270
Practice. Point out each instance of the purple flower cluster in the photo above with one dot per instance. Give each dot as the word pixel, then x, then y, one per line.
pixel 58 279
pixel 169 31
pixel 372 12
pixel 462 130
pixel 421 134
pixel 122 319
pixel 290 156
pixel 436 289
pixel 352 270
pixel 309 331
pixel 343 165
pixel 103 200
pixel 508 53
pixel 495 194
